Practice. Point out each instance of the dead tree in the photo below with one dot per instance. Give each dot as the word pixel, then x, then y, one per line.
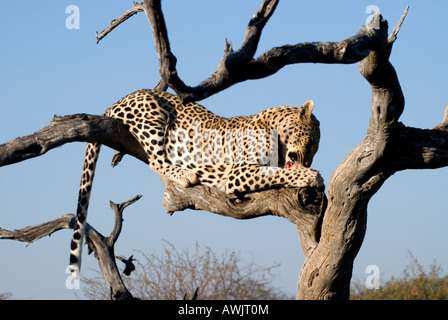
pixel 101 246
pixel 332 229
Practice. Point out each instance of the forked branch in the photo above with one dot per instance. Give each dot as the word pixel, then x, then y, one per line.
pixel 388 147
pixel 241 65
pixel 103 247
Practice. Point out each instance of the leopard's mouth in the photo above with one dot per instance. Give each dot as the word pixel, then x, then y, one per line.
pixel 296 159
pixel 291 160
pixel 290 164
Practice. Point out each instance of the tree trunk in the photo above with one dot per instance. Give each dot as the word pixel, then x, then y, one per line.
pixel 327 272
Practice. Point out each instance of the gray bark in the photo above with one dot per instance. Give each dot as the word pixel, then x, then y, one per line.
pixel 241 65
pixel 103 247
pixel 71 128
pixel 388 147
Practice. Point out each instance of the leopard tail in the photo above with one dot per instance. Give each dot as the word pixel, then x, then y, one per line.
pixel 92 153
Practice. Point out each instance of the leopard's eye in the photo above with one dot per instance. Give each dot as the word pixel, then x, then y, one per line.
pixel 293 156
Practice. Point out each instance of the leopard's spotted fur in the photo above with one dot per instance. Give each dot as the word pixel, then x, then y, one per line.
pixel 191 145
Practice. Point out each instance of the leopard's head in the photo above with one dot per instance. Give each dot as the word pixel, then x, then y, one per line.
pixel 299 137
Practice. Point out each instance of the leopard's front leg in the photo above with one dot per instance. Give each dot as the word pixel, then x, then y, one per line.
pixel 250 177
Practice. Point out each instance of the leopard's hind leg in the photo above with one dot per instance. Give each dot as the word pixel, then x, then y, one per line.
pixel 152 135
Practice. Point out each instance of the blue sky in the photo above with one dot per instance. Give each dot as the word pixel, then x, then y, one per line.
pixel 47 69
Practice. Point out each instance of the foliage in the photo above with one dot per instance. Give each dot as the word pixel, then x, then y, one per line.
pixel 176 274
pixel 5 296
pixel 415 284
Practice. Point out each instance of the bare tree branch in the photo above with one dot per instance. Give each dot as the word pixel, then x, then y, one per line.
pixel 393 35
pixel 421 149
pixel 33 233
pixel 304 207
pixel 129 264
pixel 254 29
pixel 118 210
pixel 103 247
pixel 114 23
pixel 389 146
pixel 239 66
pixel 167 60
pixel 445 117
pixel 78 127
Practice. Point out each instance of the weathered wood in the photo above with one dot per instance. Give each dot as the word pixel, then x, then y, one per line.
pixel 386 149
pixel 327 272
pixel 304 207
pixel 78 127
pixel 241 65
pixel 116 22
pixel 103 247
pixel 445 116
pixel 33 233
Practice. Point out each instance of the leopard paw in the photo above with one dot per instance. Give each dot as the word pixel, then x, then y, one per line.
pixel 189 179
pixel 310 178
pixel 193 178
pixel 315 179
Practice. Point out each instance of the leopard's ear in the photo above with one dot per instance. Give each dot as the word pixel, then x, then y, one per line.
pixel 306 110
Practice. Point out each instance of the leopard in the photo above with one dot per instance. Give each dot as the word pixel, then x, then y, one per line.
pixel 190 145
